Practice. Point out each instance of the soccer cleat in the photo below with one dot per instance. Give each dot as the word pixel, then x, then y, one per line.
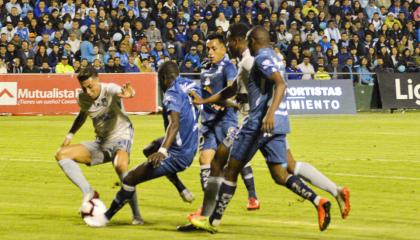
pixel 323 213
pixel 343 199
pixel 186 228
pixel 137 221
pixel 195 214
pixel 187 196
pixel 97 221
pixel 253 204
pixel 203 223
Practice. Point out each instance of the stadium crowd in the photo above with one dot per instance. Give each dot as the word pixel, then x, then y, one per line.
pixel 318 39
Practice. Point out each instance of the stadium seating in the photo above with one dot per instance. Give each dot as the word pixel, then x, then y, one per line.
pixel 116 36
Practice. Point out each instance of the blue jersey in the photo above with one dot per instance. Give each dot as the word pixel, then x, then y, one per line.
pixel 176 99
pixel 213 80
pixel 261 90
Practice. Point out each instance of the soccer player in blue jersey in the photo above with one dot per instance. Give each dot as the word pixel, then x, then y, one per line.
pixel 216 120
pixel 265 129
pixel 179 145
pixel 238 49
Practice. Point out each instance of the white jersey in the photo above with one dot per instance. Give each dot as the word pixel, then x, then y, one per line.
pixel 244 69
pixel 107 113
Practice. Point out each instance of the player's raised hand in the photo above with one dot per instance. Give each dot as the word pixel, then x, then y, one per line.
pixel 127 91
pixel 197 100
pixel 155 159
pixel 268 123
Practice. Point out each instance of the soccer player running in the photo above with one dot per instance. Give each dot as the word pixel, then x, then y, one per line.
pixel 218 121
pixel 265 129
pixel 179 145
pixel 238 48
pixel 114 134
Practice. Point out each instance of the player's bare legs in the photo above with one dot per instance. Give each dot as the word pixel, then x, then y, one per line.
pixel 67 157
pixel 310 174
pixel 120 162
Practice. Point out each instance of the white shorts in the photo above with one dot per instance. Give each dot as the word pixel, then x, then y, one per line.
pixel 104 151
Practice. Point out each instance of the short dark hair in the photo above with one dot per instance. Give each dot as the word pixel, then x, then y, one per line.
pixel 87 73
pixel 218 36
pixel 238 30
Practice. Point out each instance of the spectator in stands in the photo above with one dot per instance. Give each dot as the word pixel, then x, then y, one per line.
pixel 76 66
pixel 87 50
pixel 8 30
pixel 145 65
pixel 173 55
pixel 153 34
pixel 222 22
pixel 307 68
pixel 321 74
pixel 123 54
pixel 194 58
pixel 334 68
pixel 24 53
pixel 293 72
pixel 15 66
pixel 365 75
pixel 332 32
pixel 13 4
pixel 63 66
pixel 131 66
pixel 30 67
pixel 3 66
pixel 110 66
pixel 41 56
pixel 54 56
pixel 97 65
pixel 187 67
pixel 45 68
pixel 158 52
pixel 117 65
pixel 349 69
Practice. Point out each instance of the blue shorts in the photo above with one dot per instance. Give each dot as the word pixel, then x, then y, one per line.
pixel 170 165
pixel 212 136
pixel 248 141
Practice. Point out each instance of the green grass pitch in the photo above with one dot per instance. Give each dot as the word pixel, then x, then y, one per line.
pixel 377 155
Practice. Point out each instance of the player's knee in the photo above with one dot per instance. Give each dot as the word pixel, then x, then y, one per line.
pixel 60 154
pixel 129 180
pixel 231 174
pixel 280 177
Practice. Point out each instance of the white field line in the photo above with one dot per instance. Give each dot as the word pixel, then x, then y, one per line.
pixel 5 160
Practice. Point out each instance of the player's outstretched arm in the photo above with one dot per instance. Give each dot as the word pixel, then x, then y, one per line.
pixel 127 91
pixel 268 121
pixel 170 136
pixel 219 97
pixel 77 124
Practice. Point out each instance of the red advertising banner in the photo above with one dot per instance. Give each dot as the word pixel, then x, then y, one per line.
pixel 51 94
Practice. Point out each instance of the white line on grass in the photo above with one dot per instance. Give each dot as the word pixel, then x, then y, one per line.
pixel 259 168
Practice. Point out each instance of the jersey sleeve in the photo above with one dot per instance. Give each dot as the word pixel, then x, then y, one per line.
pixel 230 72
pixel 172 102
pixel 83 102
pixel 266 65
pixel 113 89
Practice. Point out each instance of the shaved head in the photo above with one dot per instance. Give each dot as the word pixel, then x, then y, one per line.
pixel 258 37
pixel 167 73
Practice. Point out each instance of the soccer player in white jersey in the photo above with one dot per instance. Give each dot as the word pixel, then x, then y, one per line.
pixel 114 134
